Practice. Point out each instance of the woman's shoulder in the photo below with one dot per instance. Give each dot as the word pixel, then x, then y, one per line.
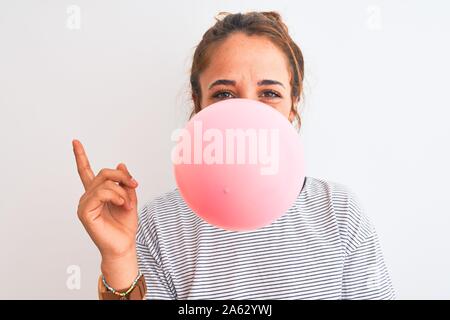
pixel 162 210
pixel 340 195
pixel 341 202
pixel 167 199
pixel 167 209
pixel 343 199
pixel 315 185
pixel 166 203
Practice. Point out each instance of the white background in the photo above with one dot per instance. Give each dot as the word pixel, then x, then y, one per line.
pixel 375 118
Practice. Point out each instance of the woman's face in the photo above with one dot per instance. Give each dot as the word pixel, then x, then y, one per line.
pixel 250 67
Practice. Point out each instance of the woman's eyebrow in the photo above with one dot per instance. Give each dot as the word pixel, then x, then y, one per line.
pixel 223 82
pixel 269 82
pixel 227 82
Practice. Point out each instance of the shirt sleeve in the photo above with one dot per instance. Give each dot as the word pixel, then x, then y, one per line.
pixel 365 274
pixel 158 281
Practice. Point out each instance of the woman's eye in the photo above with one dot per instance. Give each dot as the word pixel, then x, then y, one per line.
pixel 271 94
pixel 223 95
pixel 226 94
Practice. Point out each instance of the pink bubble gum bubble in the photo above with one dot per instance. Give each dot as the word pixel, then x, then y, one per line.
pixel 239 164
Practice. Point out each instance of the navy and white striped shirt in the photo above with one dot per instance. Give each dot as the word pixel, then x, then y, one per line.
pixel 323 247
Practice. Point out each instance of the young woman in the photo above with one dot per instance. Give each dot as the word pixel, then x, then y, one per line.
pixel 323 247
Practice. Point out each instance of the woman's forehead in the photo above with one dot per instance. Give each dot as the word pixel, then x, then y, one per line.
pixel 253 51
pixel 251 60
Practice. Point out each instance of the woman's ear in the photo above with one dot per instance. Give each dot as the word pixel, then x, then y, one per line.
pixel 291 116
pixel 293 112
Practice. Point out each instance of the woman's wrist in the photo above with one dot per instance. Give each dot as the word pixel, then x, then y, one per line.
pixel 120 272
pixel 122 293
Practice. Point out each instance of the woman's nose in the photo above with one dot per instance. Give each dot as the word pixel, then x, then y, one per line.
pixel 249 95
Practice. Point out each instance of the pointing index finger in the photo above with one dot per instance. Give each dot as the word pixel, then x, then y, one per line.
pixel 83 166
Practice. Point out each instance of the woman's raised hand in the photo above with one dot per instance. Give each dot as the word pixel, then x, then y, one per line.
pixel 108 212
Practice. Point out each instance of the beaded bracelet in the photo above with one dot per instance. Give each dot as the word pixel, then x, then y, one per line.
pixel 122 294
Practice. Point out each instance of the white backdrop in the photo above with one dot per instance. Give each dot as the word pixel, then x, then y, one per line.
pixel 114 74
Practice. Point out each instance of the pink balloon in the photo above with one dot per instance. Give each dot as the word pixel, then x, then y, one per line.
pixel 239 164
